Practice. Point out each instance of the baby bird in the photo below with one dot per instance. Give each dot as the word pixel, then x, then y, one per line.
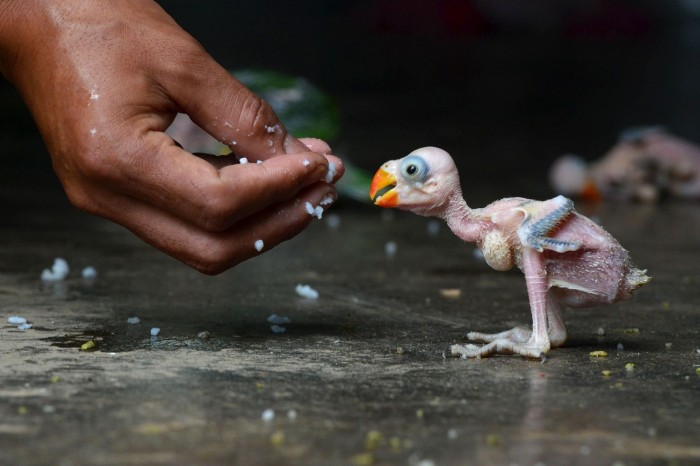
pixel 566 258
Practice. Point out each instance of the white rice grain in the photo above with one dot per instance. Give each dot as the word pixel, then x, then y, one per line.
pixel 89 272
pixel 278 320
pixel 331 172
pixel 306 162
pixel 155 331
pixel 390 248
pixel 259 244
pixel 16 320
pixel 133 320
pixel 277 329
pixel 309 208
pixel 24 326
pixel 59 271
pixel 268 415
pixel 305 291
pixel 243 160
pixel 333 221
pixel 318 212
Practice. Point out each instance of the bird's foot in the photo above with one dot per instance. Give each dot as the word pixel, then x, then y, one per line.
pixel 528 349
pixel 516 335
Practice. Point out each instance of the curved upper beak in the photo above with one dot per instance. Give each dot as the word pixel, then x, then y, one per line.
pixel 382 189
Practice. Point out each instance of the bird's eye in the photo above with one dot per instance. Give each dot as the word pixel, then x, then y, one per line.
pixel 414 168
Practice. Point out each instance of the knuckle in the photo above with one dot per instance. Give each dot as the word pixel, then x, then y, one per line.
pixel 211 258
pixel 218 209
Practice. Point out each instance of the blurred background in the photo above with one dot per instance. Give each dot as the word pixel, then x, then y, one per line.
pixel 506 86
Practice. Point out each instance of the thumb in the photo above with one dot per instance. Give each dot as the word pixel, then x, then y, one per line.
pixel 234 115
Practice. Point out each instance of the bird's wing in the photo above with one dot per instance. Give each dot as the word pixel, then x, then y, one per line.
pixel 541 219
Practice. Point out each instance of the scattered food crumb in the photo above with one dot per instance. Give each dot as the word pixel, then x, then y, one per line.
pixel 433 228
pixel 133 320
pixel 306 162
pixel 606 373
pixel 363 459
pixel 390 248
pixel 204 335
pixel 493 440
pixel 451 293
pixel 59 271
pixel 277 439
pixel 333 221
pixel 278 320
pixel 259 386
pixel 600 331
pixel 326 201
pixel 331 172
pixel 631 331
pixel 452 434
pixel 669 344
pixel 16 320
pixel 89 272
pixel 598 354
pixel 243 160
pixel 620 347
pixel 259 245
pixel 399 350
pixel 373 440
pixel 420 413
pixel 55 379
pixel 292 415
pixel 309 208
pixel 155 331
pixel 318 212
pixel 87 346
pixel 697 370
pixel 305 291
pixel 277 329
pixel 268 415
pixel 629 366
pixel 24 326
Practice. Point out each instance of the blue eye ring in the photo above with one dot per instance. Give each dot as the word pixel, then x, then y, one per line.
pixel 414 168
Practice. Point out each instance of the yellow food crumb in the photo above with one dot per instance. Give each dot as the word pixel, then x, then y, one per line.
pixel 373 440
pixel 606 373
pixel 363 459
pixel 631 331
pixel 55 379
pixel 395 443
pixel 493 440
pixel 22 410
pixel 277 439
pixel 259 386
pixel 451 293
pixel 697 370
pixel 87 346
pixel 598 354
pixel 420 413
pixel 629 366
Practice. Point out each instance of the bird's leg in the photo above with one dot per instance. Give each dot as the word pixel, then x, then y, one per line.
pixel 555 325
pixel 535 343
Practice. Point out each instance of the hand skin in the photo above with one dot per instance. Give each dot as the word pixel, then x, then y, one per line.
pixel 104 79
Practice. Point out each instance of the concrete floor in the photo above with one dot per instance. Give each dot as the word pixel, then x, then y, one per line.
pixel 361 367
pixel 358 378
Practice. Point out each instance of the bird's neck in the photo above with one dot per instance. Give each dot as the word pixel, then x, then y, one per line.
pixel 461 219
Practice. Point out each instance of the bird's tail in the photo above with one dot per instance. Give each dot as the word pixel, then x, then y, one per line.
pixel 637 278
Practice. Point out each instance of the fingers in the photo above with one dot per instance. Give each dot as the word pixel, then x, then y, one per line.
pixel 226 109
pixel 213 252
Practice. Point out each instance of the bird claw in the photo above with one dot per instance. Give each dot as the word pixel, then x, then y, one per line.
pixel 528 349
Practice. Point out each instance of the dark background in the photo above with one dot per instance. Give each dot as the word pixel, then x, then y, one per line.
pixel 504 85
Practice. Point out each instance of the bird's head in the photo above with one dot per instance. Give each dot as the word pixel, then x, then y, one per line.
pixel 423 182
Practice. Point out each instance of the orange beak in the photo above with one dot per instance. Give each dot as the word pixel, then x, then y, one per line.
pixel 382 191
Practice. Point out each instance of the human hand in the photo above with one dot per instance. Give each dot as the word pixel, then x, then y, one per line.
pixel 105 79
